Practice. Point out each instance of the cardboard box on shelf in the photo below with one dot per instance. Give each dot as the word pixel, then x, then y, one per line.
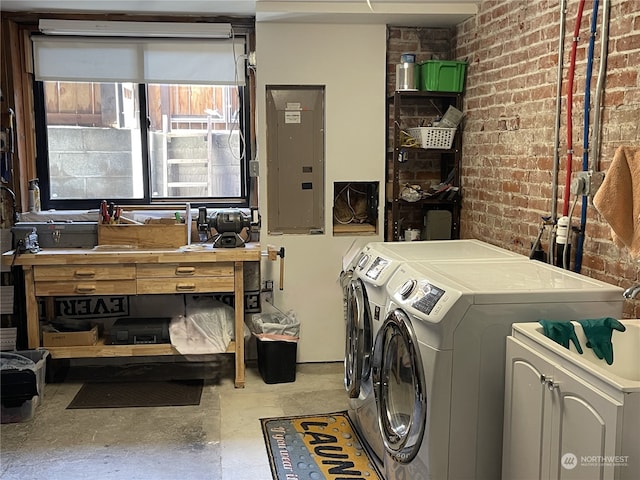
pixel 70 339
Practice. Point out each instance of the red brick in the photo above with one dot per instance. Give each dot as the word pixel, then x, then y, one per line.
pixel 514 50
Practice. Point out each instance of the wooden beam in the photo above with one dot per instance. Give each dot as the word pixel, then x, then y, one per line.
pixel 19 96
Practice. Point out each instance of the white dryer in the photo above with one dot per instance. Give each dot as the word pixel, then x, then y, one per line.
pixel 438 363
pixel 364 280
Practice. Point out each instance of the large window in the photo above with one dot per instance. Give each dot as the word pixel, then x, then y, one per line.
pixel 138 139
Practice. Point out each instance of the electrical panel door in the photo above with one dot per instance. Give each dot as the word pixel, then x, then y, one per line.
pixel 295 159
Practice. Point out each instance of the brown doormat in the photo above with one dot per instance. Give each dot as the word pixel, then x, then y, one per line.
pixel 138 394
pixel 318 447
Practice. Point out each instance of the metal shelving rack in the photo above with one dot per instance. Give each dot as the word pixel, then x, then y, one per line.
pixel 403 108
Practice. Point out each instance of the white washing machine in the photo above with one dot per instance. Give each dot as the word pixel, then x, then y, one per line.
pixel 364 280
pixel 438 362
pixel 366 300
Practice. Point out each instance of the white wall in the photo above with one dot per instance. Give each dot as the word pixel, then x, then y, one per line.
pixel 350 61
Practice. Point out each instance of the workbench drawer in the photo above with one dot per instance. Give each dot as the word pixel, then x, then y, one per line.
pixel 186 285
pixel 88 287
pixel 183 270
pixel 83 272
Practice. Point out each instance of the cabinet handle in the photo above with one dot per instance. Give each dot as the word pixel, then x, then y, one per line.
pixel 85 288
pixel 84 273
pixel 548 381
pixel 185 287
pixel 185 270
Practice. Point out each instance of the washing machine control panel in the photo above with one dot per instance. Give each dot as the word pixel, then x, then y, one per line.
pixel 377 267
pixel 427 297
pixel 406 289
pixel 362 261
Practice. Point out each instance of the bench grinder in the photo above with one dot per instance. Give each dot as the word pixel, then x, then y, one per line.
pixel 228 224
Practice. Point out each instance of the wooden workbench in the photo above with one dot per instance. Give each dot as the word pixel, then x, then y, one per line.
pixel 113 271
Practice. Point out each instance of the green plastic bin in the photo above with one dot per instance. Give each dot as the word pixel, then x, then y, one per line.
pixel 442 75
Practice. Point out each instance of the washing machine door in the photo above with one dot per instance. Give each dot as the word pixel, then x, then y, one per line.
pixel 345 281
pixel 358 347
pixel 398 377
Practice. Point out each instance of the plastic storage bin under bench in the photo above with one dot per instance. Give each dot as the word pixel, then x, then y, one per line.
pixel 442 76
pixel 22 379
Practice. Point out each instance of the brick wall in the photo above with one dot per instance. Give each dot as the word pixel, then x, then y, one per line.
pixel 510 102
pixel 510 106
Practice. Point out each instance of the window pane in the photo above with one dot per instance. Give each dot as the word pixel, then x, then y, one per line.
pixel 94 140
pixel 194 141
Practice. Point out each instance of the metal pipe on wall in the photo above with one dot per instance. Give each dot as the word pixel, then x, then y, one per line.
pixel 556 141
pixel 563 243
pixel 604 45
pixel 571 74
pixel 585 133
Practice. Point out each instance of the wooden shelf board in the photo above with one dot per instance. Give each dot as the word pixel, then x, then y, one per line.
pixel 100 350
pixel 353 228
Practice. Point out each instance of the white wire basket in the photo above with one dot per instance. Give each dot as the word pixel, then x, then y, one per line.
pixel 433 137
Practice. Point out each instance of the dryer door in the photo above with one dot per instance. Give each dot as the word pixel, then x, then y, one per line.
pixel 358 347
pixel 400 387
pixel 345 280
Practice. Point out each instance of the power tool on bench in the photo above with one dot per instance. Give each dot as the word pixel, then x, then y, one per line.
pixel 227 224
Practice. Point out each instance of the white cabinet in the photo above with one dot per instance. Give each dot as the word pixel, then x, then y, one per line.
pixel 524 414
pixel 559 426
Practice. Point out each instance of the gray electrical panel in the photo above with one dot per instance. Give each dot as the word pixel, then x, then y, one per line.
pixel 295 159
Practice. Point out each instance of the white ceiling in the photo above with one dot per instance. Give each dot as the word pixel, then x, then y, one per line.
pixel 393 12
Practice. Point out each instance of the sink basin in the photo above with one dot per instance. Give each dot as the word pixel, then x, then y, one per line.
pixel 623 374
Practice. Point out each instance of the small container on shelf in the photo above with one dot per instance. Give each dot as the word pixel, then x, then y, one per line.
pixel 442 76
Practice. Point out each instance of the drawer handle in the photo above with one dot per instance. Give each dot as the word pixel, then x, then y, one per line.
pixel 185 270
pixel 185 287
pixel 85 288
pixel 85 273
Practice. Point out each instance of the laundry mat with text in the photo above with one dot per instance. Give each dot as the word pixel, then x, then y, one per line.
pixel 316 447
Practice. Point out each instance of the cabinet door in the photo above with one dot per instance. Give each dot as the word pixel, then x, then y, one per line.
pixel 526 403
pixel 584 429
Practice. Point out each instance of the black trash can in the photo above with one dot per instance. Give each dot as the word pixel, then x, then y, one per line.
pixel 277 360
pixel 277 337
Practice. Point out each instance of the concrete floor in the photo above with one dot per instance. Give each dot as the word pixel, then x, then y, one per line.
pixel 221 439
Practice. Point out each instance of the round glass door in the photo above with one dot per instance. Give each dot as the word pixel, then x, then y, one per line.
pixel 399 383
pixel 357 358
